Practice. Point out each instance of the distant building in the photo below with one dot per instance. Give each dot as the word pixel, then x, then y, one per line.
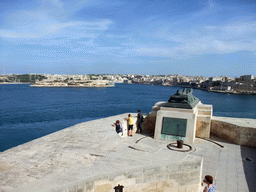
pixel 246 78
pixel 211 79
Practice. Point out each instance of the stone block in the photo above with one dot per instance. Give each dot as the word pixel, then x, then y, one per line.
pixel 150 188
pixel 203 129
pixel 173 168
pixel 204 112
pixel 103 188
pixel 197 165
pixel 172 189
pixel 195 173
pixel 126 182
pixel 140 180
pixel 148 179
pixel 101 182
pixel 75 188
pixel 151 171
pixel 119 177
pixel 161 185
pixel 204 107
pixel 158 178
pixel 194 188
pixel 178 177
pixel 186 167
pixel 206 118
pixel 134 174
pixel 183 189
pixel 133 189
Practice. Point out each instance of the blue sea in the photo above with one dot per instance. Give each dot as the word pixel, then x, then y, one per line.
pixel 27 113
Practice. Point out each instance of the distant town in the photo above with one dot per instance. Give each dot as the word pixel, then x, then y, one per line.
pixel 245 84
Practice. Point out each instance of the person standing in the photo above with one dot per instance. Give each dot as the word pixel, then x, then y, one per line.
pixel 130 123
pixel 140 120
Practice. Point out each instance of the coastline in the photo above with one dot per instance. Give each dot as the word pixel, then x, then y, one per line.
pixel 217 91
pixel 15 83
pixel 110 85
pixel 86 86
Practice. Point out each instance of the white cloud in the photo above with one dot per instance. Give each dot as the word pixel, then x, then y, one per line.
pixel 199 46
pixel 46 20
pixel 43 28
pixel 239 35
pixel 239 29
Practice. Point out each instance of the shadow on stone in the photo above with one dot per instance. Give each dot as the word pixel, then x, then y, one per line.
pixel 249 164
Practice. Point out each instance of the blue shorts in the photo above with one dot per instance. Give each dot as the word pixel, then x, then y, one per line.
pixel 130 127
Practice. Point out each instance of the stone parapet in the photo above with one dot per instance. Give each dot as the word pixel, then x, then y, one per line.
pixel 239 131
pixel 175 177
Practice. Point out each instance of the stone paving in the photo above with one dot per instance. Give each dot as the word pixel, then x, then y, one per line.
pixel 92 148
pixel 228 165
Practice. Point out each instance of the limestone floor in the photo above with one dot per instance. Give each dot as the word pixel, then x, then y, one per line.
pixel 233 167
pixel 84 150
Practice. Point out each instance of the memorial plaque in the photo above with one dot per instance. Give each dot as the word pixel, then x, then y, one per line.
pixel 174 126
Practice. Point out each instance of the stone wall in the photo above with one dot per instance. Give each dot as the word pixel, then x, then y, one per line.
pixel 203 123
pixel 235 130
pixel 178 177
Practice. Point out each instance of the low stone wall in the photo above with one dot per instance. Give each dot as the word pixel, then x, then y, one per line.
pixel 235 130
pixel 178 177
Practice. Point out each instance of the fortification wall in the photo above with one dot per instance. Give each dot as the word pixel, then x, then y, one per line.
pixel 235 130
pixel 177 177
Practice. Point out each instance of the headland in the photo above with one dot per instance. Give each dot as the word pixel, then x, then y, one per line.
pixel 80 83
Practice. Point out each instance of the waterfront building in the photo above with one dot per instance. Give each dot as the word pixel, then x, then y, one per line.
pixel 247 78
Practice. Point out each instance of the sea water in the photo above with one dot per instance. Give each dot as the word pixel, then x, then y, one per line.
pixel 27 113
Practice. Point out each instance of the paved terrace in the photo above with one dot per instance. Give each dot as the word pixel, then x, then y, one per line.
pixel 93 148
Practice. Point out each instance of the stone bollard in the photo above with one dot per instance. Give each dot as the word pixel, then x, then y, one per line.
pixel 179 144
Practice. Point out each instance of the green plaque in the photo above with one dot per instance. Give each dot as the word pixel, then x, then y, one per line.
pixel 174 126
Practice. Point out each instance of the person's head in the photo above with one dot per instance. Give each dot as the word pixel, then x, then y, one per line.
pixel 208 179
pixel 117 122
pixel 138 111
pixel 129 115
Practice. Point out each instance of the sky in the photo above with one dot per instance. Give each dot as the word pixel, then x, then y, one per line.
pixel 154 37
